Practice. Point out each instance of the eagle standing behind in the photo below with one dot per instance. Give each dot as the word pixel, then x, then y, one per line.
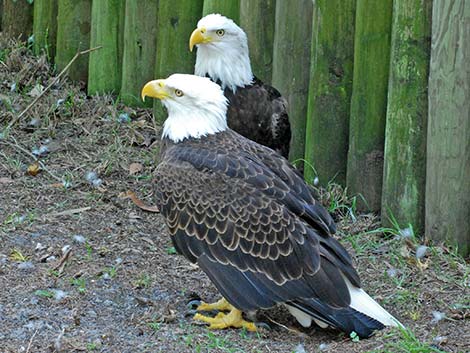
pixel 256 110
pixel 246 217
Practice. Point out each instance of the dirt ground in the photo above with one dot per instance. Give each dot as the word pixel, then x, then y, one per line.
pixel 84 269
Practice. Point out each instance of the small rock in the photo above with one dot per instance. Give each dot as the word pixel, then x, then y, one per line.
pixel 41 151
pixel 39 247
pixel 421 251
pixel 92 314
pixel 79 238
pixel 51 258
pixel 439 340
pixel 13 87
pixel 437 316
pixel 300 349
pixel 59 102
pixel 323 346
pixel 34 122
pixel 97 182
pixel 59 294
pixel 65 249
pixel 90 176
pixel 106 276
pixel 392 272
pixel 124 118
pixel 27 265
pixel 118 261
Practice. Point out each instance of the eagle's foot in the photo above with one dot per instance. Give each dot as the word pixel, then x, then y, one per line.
pixel 233 318
pixel 220 305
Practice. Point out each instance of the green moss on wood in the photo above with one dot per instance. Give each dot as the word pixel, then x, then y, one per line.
pixel 107 29
pixel 331 72
pixel 369 101
pixel 228 8
pixel 17 18
pixel 448 135
pixel 73 35
pixel 405 138
pixel 138 67
pixel 257 18
pixel 176 21
pixel 45 26
pixel 291 65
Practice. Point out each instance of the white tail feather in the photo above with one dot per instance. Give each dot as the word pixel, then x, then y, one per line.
pixel 363 303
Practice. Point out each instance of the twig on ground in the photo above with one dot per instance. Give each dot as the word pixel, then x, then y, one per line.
pixel 54 81
pixel 16 145
pixel 31 341
pixel 68 212
pixel 62 262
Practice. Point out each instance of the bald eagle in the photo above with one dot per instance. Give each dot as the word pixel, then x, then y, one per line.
pixel 243 214
pixel 256 110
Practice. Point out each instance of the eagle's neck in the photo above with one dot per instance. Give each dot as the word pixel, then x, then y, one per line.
pixel 183 123
pixel 228 65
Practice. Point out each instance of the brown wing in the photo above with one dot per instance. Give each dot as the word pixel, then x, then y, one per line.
pixel 244 232
pixel 259 112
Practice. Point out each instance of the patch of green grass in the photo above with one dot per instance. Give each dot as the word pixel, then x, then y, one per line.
pixel 111 271
pixel 143 281
pixel 80 283
pixel 402 340
pixel 44 293
pixel 155 326
pixel 91 346
pixel 171 250
pixel 17 255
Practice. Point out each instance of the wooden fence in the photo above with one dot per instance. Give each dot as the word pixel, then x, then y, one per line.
pixel 379 91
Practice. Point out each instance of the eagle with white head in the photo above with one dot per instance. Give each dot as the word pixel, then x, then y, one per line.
pixel 243 214
pixel 256 110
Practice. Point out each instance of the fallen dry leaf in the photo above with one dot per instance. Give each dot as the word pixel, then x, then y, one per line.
pixel 139 203
pixel 135 168
pixel 34 169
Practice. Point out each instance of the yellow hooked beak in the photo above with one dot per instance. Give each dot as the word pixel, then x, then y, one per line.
pixel 155 89
pixel 199 36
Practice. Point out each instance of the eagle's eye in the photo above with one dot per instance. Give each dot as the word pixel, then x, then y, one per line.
pixel 220 32
pixel 178 93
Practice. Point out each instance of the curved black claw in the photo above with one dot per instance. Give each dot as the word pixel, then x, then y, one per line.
pixel 193 304
pixel 262 325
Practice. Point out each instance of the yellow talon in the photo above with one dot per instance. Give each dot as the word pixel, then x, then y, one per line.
pixel 221 321
pixel 221 305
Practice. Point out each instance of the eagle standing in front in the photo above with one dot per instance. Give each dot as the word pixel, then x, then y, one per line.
pixel 243 214
pixel 256 110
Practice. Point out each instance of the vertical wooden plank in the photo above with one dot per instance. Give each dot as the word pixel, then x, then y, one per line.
pixel 73 35
pixel 291 65
pixel 104 66
pixel 138 64
pixel 228 8
pixel 369 101
pixel 257 18
pixel 448 138
pixel 17 18
pixel 176 21
pixel 45 27
pixel 331 71
pixel 407 108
